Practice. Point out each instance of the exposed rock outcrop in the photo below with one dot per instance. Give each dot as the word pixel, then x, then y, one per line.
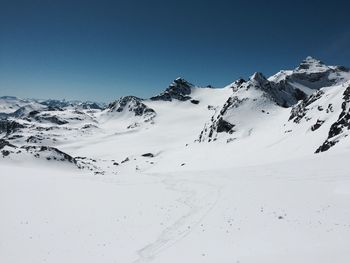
pixel 134 105
pixel 179 89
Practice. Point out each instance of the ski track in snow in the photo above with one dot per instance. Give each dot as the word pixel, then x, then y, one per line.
pixel 199 202
pixel 199 196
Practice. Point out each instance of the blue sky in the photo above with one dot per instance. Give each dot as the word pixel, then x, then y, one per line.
pixel 101 50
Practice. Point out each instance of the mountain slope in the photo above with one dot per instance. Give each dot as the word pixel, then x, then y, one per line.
pixel 257 100
pixel 141 180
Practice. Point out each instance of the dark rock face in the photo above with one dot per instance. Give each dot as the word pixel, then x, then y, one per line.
pixel 14 137
pixel 195 101
pixel 151 155
pixel 92 105
pixel 315 74
pixel 236 84
pixel 4 143
pixel 56 154
pixel 50 118
pixel 179 89
pixel 54 108
pixel 317 125
pixel 8 126
pixel 326 146
pixel 299 95
pixel 311 73
pixel 132 104
pixel 217 122
pixel 224 126
pixel 33 113
pixel 340 126
pixel 239 82
pixel 89 126
pixel 5 153
pixel 59 105
pixel 282 93
pixel 50 153
pixel 34 139
pixel 125 160
pixel 299 111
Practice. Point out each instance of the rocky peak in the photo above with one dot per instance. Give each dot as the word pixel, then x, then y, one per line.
pixel 181 82
pixel 179 89
pixel 236 84
pixel 258 77
pixel 131 104
pixel 120 103
pixel 312 64
pixel 311 61
pixel 239 82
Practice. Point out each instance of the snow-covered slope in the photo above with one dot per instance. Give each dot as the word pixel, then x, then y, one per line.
pixel 328 112
pixel 291 114
pixel 252 172
pixel 255 106
pixel 9 104
pixel 257 117
pixel 310 75
pixel 130 107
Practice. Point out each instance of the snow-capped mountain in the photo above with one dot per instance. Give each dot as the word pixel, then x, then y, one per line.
pixel 327 110
pixel 311 98
pixel 76 104
pixel 258 165
pixel 312 74
pixel 179 89
pixel 133 105
pixel 9 104
pixel 311 87
pixel 13 106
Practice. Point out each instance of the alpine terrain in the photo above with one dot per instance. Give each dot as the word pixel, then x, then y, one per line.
pixel 257 171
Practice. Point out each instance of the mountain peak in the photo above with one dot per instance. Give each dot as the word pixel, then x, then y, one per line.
pixel 258 77
pixel 180 81
pixel 311 63
pixel 132 104
pixel 179 89
pixel 311 59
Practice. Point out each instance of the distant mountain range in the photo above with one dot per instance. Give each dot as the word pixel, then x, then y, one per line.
pixel 294 112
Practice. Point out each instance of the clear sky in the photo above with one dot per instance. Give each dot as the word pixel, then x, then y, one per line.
pixel 100 50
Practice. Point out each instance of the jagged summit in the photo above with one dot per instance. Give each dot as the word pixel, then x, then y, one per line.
pixel 180 79
pixel 310 64
pixel 281 95
pixel 311 60
pixel 312 74
pixel 258 77
pixel 236 84
pixel 119 104
pixel 133 105
pixel 179 89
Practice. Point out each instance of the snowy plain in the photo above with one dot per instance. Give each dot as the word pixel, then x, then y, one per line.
pixel 291 211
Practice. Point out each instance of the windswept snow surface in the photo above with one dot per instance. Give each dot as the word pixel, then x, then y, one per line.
pixel 291 211
pixel 192 175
